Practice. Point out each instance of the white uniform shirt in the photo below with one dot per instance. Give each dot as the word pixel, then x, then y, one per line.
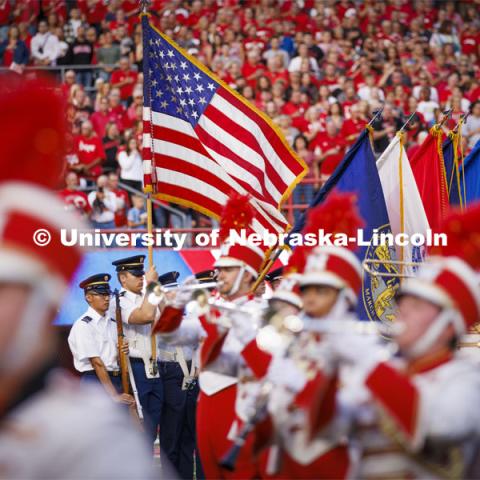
pixel 138 336
pixel 223 372
pixel 71 431
pixel 94 336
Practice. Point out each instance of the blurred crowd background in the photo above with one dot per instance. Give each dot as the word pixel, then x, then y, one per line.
pixel 319 69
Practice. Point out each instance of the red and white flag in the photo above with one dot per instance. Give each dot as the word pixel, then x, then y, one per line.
pixel 429 170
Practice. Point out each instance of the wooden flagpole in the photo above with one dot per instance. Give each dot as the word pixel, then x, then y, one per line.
pixel 153 339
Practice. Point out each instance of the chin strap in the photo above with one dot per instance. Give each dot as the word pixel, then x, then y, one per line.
pixel 342 305
pixel 238 279
pixel 427 340
pixel 339 311
pixel 30 325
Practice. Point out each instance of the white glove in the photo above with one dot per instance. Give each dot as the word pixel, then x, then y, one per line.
pixel 154 294
pixel 182 297
pixel 155 299
pixel 285 373
pixel 361 351
pixel 244 327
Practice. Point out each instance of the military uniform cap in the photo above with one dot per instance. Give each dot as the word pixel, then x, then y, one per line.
pixel 206 276
pixel 97 283
pixel 169 279
pixel 133 265
pixel 276 274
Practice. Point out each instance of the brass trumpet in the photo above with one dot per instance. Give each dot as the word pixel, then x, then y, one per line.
pixel 160 290
pixel 194 287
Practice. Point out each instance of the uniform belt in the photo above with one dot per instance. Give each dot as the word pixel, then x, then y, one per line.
pixel 112 373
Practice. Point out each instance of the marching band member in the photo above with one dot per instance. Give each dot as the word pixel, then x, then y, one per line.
pixel 330 280
pixel 51 426
pixel 224 353
pixel 412 416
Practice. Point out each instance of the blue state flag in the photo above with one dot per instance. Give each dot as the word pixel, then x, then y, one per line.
pixel 357 173
pixel 470 171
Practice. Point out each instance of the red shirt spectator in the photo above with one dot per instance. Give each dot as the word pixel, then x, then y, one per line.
pixel 116 109
pixel 74 198
pixel 329 148
pixel 5 9
pixel 470 40
pixel 93 11
pixel 252 69
pixel 100 118
pixel 130 7
pixel 27 11
pixel 90 152
pixel 124 79
pixel 296 109
pixel 352 127
pixel 59 7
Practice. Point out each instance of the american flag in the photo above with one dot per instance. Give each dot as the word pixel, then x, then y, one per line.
pixel 207 141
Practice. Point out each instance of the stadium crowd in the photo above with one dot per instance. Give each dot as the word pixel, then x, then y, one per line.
pixel 318 69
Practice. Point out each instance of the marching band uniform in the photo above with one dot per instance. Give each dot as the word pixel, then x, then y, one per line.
pixel 469 344
pixel 55 431
pixel 299 381
pixel 411 417
pixel 221 364
pixel 95 335
pixel 225 357
pixel 298 373
pixel 144 368
pixel 51 425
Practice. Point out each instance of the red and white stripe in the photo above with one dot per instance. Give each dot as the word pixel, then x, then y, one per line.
pixel 232 148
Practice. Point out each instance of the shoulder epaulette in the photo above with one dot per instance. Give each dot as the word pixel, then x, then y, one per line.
pixel 86 319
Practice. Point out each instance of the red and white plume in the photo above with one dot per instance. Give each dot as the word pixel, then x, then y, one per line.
pixel 462 229
pixel 32 131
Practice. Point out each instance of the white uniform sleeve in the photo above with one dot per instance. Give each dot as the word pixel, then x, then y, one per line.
pixel 127 309
pixel 82 341
pixel 449 414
